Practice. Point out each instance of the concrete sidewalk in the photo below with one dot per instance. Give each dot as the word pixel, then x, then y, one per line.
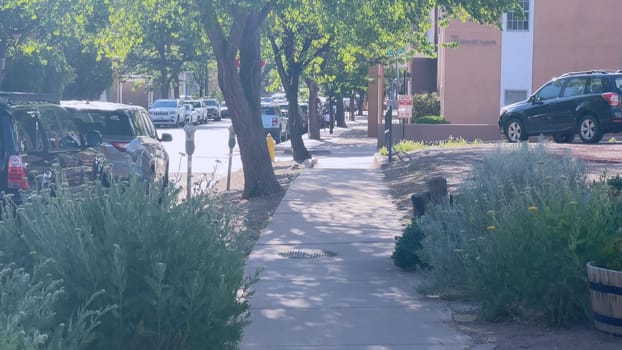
pixel 328 281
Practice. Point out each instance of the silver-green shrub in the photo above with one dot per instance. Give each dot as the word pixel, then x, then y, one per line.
pixel 519 233
pixel 28 319
pixel 165 266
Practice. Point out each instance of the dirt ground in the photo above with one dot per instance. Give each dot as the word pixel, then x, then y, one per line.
pixel 406 175
pixel 255 213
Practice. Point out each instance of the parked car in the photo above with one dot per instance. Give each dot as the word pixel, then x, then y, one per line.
pixel 40 143
pixel 200 108
pixel 192 115
pixel 273 122
pixel 584 103
pixel 130 140
pixel 168 112
pixel 224 110
pixel 213 108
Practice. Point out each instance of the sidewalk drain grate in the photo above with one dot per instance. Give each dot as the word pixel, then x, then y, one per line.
pixel 308 254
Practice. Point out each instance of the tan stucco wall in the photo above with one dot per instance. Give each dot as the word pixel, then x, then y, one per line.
pixel 575 35
pixel 469 75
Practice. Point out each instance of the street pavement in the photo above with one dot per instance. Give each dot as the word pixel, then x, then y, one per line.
pixel 327 280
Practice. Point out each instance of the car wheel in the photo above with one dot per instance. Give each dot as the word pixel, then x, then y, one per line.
pixel 563 138
pixel 514 130
pixel 589 130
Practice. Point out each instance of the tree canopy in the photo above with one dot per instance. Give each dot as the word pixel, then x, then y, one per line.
pixel 71 43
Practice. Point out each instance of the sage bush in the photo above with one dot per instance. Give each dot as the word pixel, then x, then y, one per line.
pixel 163 269
pixel 27 313
pixel 519 234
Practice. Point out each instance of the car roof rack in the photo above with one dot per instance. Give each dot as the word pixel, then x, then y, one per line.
pixel 597 71
pixel 13 97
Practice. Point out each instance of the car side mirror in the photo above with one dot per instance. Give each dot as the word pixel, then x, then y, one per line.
pixel 94 138
pixel 166 137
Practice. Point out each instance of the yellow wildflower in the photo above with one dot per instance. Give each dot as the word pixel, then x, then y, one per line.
pixel 491 228
pixel 533 208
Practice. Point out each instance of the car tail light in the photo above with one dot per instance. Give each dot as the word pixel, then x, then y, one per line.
pixel 612 98
pixel 275 121
pixel 16 174
pixel 121 146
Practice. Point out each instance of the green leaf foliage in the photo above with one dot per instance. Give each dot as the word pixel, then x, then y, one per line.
pixel 408 248
pixel 166 268
pixel 519 234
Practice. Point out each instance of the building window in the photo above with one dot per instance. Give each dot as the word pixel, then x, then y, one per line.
pixel 513 96
pixel 516 22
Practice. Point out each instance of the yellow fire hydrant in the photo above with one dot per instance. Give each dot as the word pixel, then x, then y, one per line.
pixel 270 142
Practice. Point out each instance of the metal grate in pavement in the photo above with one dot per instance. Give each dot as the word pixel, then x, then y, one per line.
pixel 308 254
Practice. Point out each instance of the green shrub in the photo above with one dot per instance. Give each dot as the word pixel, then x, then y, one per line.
pixel 426 103
pixel 406 146
pixel 27 313
pixel 408 248
pixel 430 119
pixel 165 267
pixel 519 235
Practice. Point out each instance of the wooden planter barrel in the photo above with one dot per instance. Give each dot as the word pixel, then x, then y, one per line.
pixel 606 296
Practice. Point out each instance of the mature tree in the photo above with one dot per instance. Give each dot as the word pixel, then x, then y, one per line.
pixel 93 73
pixel 17 20
pixel 299 36
pixel 155 37
pixel 32 37
pixel 351 34
pixel 234 29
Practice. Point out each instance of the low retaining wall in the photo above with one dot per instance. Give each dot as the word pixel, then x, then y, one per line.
pixel 440 132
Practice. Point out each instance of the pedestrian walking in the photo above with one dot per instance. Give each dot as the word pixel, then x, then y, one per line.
pixel 325 118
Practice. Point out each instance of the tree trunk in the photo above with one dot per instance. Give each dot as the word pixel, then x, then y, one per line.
pixel 314 113
pixel 241 91
pixel 351 107
pixel 361 101
pixel 164 81
pixel 294 120
pixel 340 115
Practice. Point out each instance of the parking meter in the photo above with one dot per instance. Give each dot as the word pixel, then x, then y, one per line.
pixel 190 130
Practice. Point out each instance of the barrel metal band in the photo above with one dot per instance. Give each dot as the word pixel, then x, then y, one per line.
pixel 599 287
pixel 612 321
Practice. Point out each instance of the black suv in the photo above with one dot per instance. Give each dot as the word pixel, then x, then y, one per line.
pixel 40 143
pixel 584 103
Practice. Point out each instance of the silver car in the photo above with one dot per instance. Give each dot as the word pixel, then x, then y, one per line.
pixel 130 140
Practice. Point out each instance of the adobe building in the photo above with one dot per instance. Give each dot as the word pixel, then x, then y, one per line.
pixel 491 68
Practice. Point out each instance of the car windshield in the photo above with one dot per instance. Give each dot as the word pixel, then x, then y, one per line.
pixel 196 104
pixel 188 107
pixel 268 110
pixel 164 103
pixel 211 103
